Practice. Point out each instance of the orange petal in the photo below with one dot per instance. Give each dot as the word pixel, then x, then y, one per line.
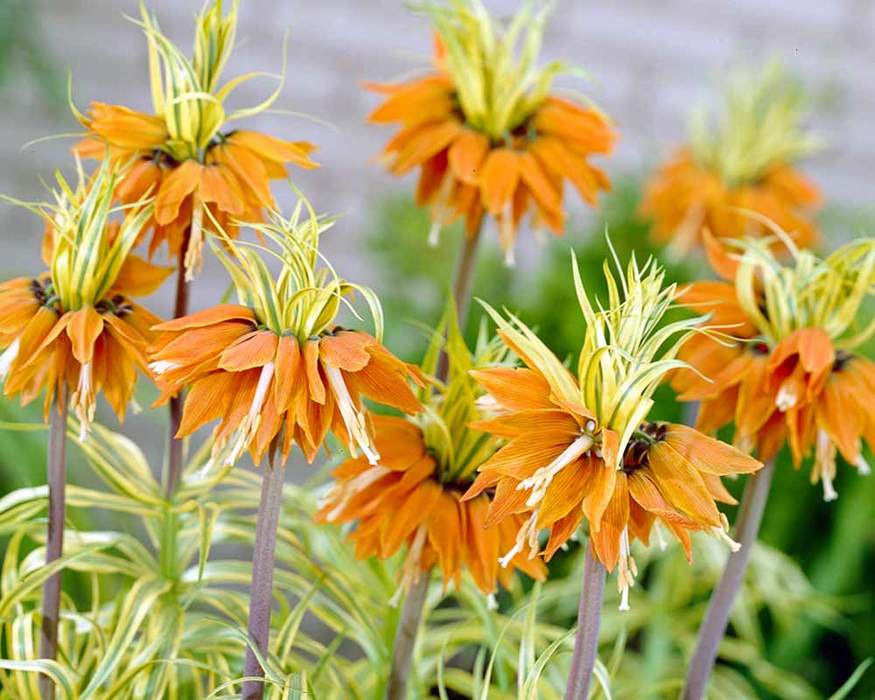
pixel 499 179
pixel 467 154
pixel 254 349
pixel 207 317
pixel 176 186
pixel 346 350
pixel 83 330
pixel 707 454
pixel 311 367
pixel 606 540
pixel 515 388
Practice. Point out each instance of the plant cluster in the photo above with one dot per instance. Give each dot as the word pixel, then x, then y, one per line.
pixel 459 483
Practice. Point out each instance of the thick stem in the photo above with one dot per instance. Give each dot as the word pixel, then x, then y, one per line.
pixel 57 480
pixel 405 637
pixel 174 451
pixel 263 555
pixel 589 615
pixel 464 279
pixel 411 613
pixel 753 503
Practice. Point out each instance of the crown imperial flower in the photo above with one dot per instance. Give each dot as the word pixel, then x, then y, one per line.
pixel 200 174
pixel 584 446
pixel 485 130
pixel 790 370
pixel 744 164
pixel 75 328
pixel 414 495
pixel 276 364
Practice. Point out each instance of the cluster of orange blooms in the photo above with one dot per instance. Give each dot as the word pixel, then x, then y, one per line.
pixel 557 459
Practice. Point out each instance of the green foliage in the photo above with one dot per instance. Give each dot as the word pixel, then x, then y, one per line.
pixel 23 52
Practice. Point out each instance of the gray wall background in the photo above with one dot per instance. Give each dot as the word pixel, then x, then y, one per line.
pixel 650 60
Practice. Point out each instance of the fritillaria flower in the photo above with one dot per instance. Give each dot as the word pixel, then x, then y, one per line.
pixel 75 332
pixel 413 496
pixel 75 329
pixel 746 163
pixel 584 446
pixel 201 173
pixel 788 370
pixel 485 130
pixel 276 363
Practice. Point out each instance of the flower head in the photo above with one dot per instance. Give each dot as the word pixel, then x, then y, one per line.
pixel 427 461
pixel 277 363
pixel 485 130
pixel 746 163
pixel 75 327
pixel 201 173
pixel 789 370
pixel 584 446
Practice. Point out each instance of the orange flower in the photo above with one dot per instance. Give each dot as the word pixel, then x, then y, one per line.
pixel 257 382
pixel 276 363
pixel 487 135
pixel 403 499
pixel 787 373
pixel 199 174
pixel 582 447
pixel 559 467
pixel 232 182
pixel 738 173
pixel 75 329
pixel 685 198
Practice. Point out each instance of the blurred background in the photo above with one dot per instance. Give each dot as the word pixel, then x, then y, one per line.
pixel 649 61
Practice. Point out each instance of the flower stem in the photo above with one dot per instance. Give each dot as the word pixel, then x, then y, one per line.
pixel 465 275
pixel 405 637
pixel 411 613
pixel 589 615
pixel 57 479
pixel 174 452
pixel 713 627
pixel 263 556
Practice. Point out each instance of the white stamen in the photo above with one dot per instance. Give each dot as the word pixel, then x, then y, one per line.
pixel 724 537
pixel 863 466
pixel 825 460
pixel 491 602
pixel 410 570
pixel 249 425
pixel 505 233
pixel 194 251
pixel 341 493
pixel 627 569
pixel 83 401
pixel 353 418
pixel 660 537
pixel 527 534
pixel 434 234
pixel 162 366
pixel 540 480
pixel 786 398
pixel 8 357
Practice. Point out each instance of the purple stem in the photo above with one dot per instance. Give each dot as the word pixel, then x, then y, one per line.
pixel 753 503
pixel 589 615
pixel 57 481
